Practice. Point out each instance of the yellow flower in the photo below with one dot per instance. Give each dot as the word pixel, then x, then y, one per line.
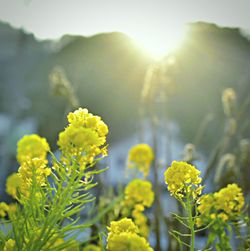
pixel 9 245
pixel 4 208
pixel 230 199
pixel 13 183
pixel 84 138
pixel 141 221
pixel 224 205
pixel 123 237
pixel 223 216
pixel 141 156
pixel 34 170
pixel 32 146
pixel 183 179
pixel 128 242
pixel 82 118
pixel 7 209
pixel 139 192
pixel 91 247
pixel 206 203
pixel 75 140
pixel 31 172
pixel 123 225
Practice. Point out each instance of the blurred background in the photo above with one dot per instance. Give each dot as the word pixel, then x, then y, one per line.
pixel 143 66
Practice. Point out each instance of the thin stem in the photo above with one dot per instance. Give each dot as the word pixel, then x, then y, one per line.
pixel 191 225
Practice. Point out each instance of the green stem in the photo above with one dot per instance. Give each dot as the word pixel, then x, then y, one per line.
pixel 191 225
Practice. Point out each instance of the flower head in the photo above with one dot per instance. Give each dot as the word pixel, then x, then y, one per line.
pixel 91 247
pixel 183 179
pixel 84 138
pixel 123 237
pixel 140 156
pixel 128 242
pixel 139 192
pixel 35 169
pixel 230 199
pixel 223 205
pixel 123 225
pixel 9 245
pixel 31 171
pixel 3 209
pixel 13 183
pixel 32 146
pixel 140 220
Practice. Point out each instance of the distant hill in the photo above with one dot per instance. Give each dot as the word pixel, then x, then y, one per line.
pixel 108 70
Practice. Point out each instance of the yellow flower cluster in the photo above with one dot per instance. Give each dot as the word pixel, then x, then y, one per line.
pixel 34 170
pixel 9 245
pixel 230 199
pixel 139 192
pixel 32 151
pixel 91 247
pixel 223 205
pixel 124 225
pixel 13 183
pixel 183 180
pixel 3 209
pixel 123 237
pixel 140 220
pixel 30 147
pixel 138 195
pixel 141 156
pixel 7 209
pixel 84 138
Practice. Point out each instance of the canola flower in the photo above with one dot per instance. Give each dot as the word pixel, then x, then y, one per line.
pixel 32 151
pixel 128 242
pixel 30 147
pixel 138 195
pixel 9 245
pixel 91 247
pixel 84 138
pixel 13 183
pixel 31 172
pixel 7 209
pixel 223 206
pixel 184 184
pixel 123 236
pixel 124 225
pixel 141 156
pixel 3 209
pixel 140 220
pixel 230 199
pixel 61 198
pixel 139 192
pixel 183 180
pixel 35 169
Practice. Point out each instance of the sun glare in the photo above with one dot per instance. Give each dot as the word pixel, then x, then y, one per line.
pixel 161 43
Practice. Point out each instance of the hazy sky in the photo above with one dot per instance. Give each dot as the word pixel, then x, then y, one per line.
pixel 152 22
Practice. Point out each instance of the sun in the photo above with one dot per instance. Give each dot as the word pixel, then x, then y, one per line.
pixel 161 43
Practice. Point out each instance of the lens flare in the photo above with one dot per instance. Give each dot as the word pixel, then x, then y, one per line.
pixel 161 43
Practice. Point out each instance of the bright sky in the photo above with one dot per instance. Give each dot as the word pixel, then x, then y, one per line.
pixel 156 24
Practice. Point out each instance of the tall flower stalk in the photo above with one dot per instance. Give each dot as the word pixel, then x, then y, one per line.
pixel 184 184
